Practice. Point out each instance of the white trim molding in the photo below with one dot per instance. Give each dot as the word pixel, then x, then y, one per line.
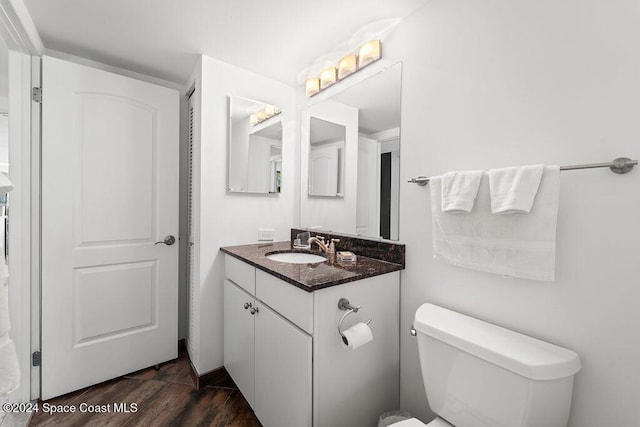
pixel 20 278
pixel 17 28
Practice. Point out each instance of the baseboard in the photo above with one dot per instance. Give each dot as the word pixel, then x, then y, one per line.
pixel 210 378
pixel 216 376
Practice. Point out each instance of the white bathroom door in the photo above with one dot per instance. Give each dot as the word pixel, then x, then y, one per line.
pixel 368 201
pixel 323 166
pixel 110 148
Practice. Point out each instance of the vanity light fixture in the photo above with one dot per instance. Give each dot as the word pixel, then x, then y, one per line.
pixel 312 86
pixel 270 111
pixel 347 65
pixel 327 77
pixel 263 114
pixel 368 53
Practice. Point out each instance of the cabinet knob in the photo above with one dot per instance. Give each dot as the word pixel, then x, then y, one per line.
pixel 254 310
pixel 247 305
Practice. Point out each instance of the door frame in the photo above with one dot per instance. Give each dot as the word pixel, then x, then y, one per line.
pixel 22 39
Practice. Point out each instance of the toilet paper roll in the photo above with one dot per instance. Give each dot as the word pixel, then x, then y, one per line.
pixel 357 336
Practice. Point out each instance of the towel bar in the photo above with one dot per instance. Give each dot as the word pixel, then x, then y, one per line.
pixel 620 165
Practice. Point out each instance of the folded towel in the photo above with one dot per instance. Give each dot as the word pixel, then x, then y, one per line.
pixel 513 189
pixel 459 190
pixel 9 369
pixel 5 325
pixel 514 245
pixel 5 183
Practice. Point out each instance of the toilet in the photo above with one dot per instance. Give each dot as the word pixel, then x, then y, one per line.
pixel 479 374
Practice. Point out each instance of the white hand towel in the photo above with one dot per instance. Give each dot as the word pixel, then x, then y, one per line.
pixel 514 189
pixel 514 245
pixel 459 190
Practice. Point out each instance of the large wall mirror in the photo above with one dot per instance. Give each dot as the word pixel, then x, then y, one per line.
pixel 350 158
pixel 255 147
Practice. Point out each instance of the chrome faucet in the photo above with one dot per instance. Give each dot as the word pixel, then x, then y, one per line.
pixel 331 249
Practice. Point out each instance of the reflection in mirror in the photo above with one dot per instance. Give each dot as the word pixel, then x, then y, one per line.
pixel 326 158
pixel 368 172
pixel 255 147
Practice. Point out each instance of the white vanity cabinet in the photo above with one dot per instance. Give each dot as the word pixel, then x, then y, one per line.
pixel 283 350
pixel 282 371
pixel 239 343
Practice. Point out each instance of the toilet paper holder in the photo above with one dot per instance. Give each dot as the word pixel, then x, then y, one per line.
pixel 344 305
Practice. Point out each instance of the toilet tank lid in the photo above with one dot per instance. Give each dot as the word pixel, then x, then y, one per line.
pixel 524 355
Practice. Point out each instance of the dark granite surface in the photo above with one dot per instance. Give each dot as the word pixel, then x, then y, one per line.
pixel 373 248
pixel 310 277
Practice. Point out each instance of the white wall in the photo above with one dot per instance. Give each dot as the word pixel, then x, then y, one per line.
pixel 499 83
pixel 225 219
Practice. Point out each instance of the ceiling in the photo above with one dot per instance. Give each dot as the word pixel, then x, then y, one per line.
pixel 286 40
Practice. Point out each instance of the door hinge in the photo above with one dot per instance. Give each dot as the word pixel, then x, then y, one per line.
pixel 36 94
pixel 36 358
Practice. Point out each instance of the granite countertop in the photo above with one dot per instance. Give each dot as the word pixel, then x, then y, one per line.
pixel 309 277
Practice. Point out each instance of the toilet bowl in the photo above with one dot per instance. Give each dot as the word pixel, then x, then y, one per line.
pixel 414 422
pixel 477 374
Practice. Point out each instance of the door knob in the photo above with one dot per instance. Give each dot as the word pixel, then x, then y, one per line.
pixel 247 305
pixel 254 310
pixel 169 240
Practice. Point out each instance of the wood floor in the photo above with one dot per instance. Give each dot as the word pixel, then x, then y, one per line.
pixel 165 397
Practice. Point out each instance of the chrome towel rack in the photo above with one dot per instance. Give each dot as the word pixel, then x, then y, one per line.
pixel 620 165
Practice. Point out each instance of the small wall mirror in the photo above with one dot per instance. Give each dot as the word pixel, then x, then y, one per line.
pixel 326 158
pixel 254 146
pixel 350 155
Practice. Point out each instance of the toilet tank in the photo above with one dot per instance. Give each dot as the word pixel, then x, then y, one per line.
pixel 479 374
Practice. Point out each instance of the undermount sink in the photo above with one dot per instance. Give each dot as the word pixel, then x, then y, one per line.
pixel 296 257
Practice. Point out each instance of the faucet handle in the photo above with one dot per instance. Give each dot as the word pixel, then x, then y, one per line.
pixel 332 245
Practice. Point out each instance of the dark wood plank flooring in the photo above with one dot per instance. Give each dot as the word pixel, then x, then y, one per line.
pixel 166 397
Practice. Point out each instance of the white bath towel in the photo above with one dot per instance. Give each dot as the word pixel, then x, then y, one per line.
pixel 9 369
pixel 514 189
pixel 459 190
pixel 5 183
pixel 5 325
pixel 515 245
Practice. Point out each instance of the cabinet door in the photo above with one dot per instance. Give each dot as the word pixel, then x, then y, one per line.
pixel 239 339
pixel 282 371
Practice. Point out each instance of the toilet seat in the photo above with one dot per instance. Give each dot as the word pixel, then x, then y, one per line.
pixel 414 422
